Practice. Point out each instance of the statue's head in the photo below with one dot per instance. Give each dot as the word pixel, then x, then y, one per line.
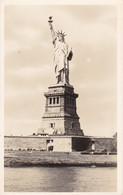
pixel 61 36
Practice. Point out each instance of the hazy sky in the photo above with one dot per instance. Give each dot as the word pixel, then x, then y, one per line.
pixel 92 33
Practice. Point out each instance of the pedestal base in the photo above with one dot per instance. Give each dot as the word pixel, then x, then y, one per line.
pixel 60 115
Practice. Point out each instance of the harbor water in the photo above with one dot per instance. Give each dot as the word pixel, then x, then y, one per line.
pixel 60 179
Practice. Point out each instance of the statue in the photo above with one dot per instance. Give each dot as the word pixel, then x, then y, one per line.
pixel 62 55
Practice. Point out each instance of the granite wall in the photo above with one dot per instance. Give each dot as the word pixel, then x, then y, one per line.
pixel 102 144
pixel 24 143
pixel 59 143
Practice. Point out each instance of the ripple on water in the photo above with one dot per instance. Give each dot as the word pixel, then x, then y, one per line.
pixel 61 179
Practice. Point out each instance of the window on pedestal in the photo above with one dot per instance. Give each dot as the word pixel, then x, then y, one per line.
pixel 72 125
pixel 54 100
pixel 57 100
pixel 52 125
pixel 50 100
pixel 67 100
pixel 72 101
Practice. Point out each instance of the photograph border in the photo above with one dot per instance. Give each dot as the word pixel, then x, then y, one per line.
pixel 119 5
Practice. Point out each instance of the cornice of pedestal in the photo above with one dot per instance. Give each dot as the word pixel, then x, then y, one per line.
pixel 60 85
pixel 60 94
pixel 60 90
pixel 63 115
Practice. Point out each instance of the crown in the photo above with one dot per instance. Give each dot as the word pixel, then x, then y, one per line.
pixel 61 33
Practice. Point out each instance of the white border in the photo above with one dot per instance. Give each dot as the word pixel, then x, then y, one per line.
pixel 120 96
pixel 59 2
pixel 1 99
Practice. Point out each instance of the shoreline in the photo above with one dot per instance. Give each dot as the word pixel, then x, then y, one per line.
pixel 57 159
pixel 49 164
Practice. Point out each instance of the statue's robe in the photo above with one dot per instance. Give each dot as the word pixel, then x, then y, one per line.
pixel 61 53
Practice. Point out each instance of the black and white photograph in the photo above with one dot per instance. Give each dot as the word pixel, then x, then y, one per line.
pixel 60 88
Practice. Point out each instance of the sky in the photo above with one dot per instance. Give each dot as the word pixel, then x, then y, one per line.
pixel 29 71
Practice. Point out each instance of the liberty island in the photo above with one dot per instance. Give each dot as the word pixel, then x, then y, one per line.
pixel 60 129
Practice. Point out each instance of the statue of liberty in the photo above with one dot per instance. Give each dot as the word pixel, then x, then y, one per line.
pixel 62 55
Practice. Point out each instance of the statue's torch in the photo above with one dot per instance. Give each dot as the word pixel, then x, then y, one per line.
pixel 50 20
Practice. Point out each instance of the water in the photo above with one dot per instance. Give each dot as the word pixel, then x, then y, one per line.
pixel 61 179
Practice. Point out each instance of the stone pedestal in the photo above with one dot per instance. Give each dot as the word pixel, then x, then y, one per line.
pixel 60 115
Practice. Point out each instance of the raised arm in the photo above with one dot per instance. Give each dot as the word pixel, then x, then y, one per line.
pixel 52 30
